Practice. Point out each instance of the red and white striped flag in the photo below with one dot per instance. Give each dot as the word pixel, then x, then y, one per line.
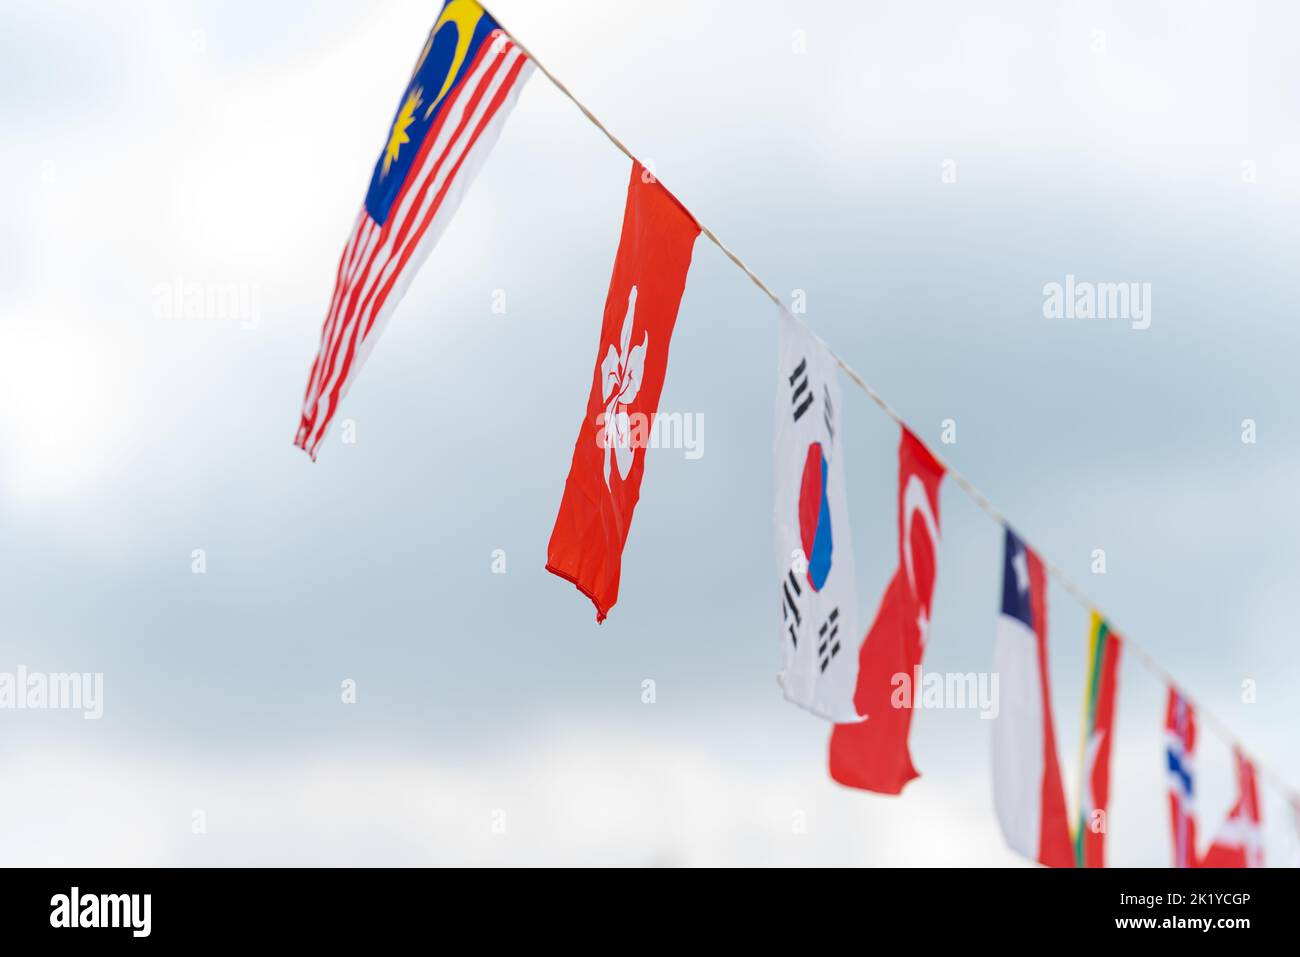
pixel 461 90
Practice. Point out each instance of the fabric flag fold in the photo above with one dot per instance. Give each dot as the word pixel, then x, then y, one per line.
pixel 604 482
pixel 873 754
pixel 463 87
pixel 1027 788
pixel 1100 691
pixel 1180 761
pixel 1240 841
pixel 814 548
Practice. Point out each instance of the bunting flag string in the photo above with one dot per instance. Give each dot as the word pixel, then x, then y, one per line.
pixel 463 86
pixel 1053 571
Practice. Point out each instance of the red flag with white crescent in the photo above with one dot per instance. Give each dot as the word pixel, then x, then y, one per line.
pixel 873 755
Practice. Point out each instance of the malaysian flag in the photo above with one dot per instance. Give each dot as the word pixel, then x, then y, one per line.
pixel 464 84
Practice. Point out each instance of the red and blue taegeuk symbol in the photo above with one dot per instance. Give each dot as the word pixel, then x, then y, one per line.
pixel 815 516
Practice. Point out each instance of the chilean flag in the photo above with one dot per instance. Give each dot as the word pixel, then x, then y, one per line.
pixel 1180 757
pixel 1027 789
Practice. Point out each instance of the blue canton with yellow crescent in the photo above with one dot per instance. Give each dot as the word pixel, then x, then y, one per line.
pixel 454 42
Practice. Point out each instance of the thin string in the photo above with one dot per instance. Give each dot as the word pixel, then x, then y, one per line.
pixel 966 485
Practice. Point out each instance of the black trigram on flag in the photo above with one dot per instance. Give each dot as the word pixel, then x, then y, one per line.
pixel 800 396
pixel 828 412
pixel 790 607
pixel 828 638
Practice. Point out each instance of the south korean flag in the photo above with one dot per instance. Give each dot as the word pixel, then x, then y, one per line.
pixel 814 548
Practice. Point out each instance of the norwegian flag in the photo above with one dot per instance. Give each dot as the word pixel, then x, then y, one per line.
pixel 1240 841
pixel 1180 758
pixel 458 97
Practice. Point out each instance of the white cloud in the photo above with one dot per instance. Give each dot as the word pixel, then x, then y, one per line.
pixel 577 799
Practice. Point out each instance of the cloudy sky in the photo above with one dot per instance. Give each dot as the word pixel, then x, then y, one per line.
pixel 229 144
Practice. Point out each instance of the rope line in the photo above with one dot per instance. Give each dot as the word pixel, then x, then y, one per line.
pixel 1210 720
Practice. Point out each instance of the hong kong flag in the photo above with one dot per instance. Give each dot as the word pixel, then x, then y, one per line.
pixel 654 254
pixel 873 755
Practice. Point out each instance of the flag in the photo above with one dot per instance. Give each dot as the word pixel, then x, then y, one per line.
pixel 654 254
pixel 814 549
pixel 1027 789
pixel 1098 724
pixel 873 754
pixel 1240 841
pixel 1180 759
pixel 463 86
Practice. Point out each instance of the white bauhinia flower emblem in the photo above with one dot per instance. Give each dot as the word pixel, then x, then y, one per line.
pixel 621 373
